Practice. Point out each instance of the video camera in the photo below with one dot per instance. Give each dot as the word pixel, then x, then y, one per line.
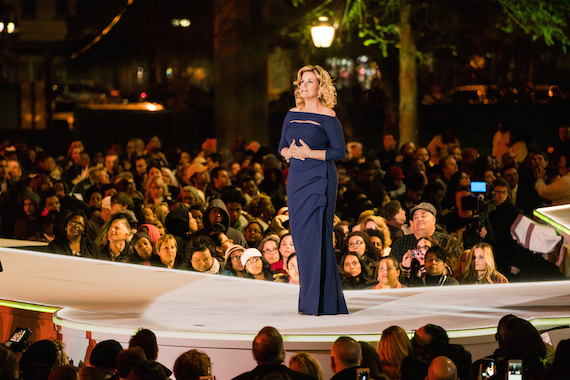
pixel 481 202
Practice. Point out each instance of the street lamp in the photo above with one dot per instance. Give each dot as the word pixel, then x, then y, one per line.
pixel 9 27
pixel 322 33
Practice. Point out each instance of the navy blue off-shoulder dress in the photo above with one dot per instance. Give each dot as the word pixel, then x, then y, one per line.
pixel 311 198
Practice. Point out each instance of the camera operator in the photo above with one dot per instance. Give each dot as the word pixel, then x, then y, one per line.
pixel 469 218
pixel 509 257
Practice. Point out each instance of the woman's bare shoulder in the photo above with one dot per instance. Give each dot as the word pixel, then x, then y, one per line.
pixel 329 112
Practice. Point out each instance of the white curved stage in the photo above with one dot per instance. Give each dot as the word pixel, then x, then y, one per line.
pixel 221 315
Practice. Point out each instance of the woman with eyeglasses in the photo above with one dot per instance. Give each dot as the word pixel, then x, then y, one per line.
pixel 358 242
pixel 269 247
pixel 435 260
pixel 222 243
pixel 256 266
pixel 413 269
pixel 232 261
pixel 74 242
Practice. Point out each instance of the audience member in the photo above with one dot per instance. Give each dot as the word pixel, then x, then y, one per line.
pixel 480 267
pixel 73 241
pixel 442 368
pixel 393 348
pixel 39 359
pixel 346 355
pixel 65 372
pixel 232 261
pixel 9 366
pixel 306 363
pixel 192 365
pixel 388 273
pixel 371 361
pixel 269 353
pixel 128 359
pixel 148 370
pixel 200 257
pixel 216 218
pixel 423 218
pixel 395 217
pixel 353 272
pixel 560 368
pixel 428 341
pixel 103 361
pixel 435 268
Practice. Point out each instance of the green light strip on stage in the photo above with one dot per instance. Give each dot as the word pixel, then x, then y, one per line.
pixel 550 322
pixel 28 306
pixel 559 227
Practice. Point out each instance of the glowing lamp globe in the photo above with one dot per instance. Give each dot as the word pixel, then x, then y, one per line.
pixel 322 33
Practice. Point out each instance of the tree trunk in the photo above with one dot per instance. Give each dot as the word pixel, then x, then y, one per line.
pixel 408 109
pixel 240 69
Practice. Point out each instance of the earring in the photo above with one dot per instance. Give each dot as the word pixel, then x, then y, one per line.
pixel 319 95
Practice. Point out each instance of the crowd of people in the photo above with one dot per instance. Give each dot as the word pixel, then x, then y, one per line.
pixel 404 217
pixel 428 355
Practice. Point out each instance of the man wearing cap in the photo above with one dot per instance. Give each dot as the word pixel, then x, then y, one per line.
pixel 422 223
pixel 199 177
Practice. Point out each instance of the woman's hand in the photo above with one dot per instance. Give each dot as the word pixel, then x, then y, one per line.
pixel 296 151
pixel 304 150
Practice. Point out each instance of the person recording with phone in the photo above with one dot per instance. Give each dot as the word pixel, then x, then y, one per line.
pixel 519 342
pixel 413 269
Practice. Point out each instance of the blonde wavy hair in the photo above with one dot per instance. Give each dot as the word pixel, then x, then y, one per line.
pixel 471 276
pixel 326 88
pixel 306 363
pixel 381 223
pixel 394 346
pixel 160 182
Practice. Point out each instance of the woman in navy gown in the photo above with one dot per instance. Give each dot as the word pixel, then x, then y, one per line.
pixel 312 139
